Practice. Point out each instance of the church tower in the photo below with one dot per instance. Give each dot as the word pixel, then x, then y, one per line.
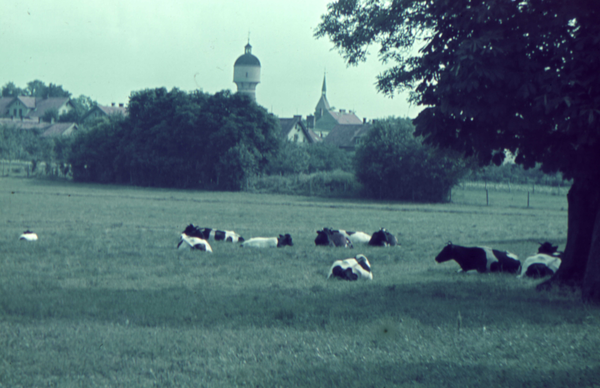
pixel 323 105
pixel 246 72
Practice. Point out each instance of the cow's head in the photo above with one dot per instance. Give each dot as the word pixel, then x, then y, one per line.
pixel 192 231
pixel 547 248
pixel 363 262
pixel 446 254
pixel 284 240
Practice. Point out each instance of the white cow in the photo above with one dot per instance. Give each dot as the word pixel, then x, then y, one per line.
pixel 351 269
pixel 359 237
pixel 28 236
pixel 540 265
pixel 268 242
pixel 193 243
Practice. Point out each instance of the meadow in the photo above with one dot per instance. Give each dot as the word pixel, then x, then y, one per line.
pixel 104 299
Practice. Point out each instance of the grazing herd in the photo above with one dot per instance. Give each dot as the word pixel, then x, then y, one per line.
pixel 481 259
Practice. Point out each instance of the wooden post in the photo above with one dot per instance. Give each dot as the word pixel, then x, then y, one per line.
pixel 487 198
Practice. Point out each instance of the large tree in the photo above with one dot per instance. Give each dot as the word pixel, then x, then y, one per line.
pixel 493 75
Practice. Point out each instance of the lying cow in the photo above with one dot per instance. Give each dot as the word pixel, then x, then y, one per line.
pixel 357 238
pixel 351 269
pixel 545 263
pixel 28 236
pixel 213 234
pixel 193 243
pixel 383 238
pixel 481 259
pixel 268 242
pixel 333 238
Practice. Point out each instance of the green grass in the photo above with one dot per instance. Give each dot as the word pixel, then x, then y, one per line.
pixel 105 299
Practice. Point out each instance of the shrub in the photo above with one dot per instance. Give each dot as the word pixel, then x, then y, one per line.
pixel 391 163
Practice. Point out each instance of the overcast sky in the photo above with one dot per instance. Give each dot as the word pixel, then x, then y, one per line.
pixel 105 49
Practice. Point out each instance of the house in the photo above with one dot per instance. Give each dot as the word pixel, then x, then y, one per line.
pixel 43 128
pixel 296 131
pixel 33 107
pixel 347 136
pixel 326 118
pixel 99 111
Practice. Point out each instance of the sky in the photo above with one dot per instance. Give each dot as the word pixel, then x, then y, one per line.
pixel 105 49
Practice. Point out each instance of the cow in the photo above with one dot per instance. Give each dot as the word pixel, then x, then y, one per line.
pixel 28 236
pixel 545 263
pixel 268 242
pixel 210 234
pixel 357 238
pixel 481 259
pixel 383 238
pixel 333 238
pixel 194 243
pixel 351 269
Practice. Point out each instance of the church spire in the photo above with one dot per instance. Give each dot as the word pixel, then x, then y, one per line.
pixel 324 89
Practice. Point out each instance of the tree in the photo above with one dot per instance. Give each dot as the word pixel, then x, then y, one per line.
pixel 81 105
pixel 391 163
pixel 495 75
pixel 50 115
pixel 178 139
pixel 11 90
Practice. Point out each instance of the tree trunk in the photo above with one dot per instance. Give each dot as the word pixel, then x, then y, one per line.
pixel 590 291
pixel 583 242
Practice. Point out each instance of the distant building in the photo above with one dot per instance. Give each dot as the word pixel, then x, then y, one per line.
pixel 34 108
pixel 326 118
pixel 99 111
pixel 294 130
pixel 43 128
pixel 246 73
pixel 347 136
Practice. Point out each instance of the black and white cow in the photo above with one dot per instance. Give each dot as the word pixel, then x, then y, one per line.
pixel 194 243
pixel 383 238
pixel 28 236
pixel 481 259
pixel 545 263
pixel 351 269
pixel 358 238
pixel 213 234
pixel 268 242
pixel 333 238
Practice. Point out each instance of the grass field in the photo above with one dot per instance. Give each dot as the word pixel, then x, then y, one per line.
pixel 104 298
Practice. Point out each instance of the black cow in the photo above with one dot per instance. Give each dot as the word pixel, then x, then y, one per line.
pixel 383 238
pixel 333 238
pixel 482 259
pixel 213 234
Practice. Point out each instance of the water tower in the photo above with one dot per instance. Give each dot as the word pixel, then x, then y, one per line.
pixel 246 72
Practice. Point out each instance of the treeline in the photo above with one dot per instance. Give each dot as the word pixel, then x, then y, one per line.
pixel 226 141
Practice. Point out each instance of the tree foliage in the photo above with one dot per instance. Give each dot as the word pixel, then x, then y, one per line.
pixel 81 105
pixel 391 163
pixel 293 158
pixel 178 139
pixel 496 75
pixel 34 88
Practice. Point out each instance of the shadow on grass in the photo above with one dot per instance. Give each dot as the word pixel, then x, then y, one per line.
pixel 479 299
pixel 439 373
